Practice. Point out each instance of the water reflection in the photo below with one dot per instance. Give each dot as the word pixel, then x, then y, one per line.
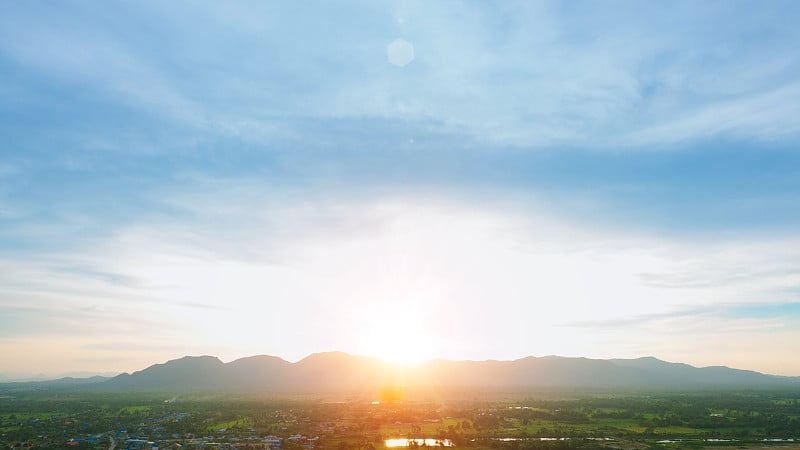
pixel 419 442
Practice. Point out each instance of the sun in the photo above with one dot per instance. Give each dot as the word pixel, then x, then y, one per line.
pixel 400 348
pixel 397 334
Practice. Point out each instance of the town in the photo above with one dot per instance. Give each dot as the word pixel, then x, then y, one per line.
pixel 63 419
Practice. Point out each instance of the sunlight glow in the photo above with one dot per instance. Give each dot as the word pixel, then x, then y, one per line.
pixel 398 333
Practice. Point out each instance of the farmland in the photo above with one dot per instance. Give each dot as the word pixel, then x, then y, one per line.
pixel 64 418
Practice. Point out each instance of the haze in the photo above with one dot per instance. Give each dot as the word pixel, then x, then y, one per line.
pixel 408 180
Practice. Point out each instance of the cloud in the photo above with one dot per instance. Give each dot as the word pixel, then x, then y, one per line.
pixel 278 255
pixel 87 56
pixel 521 75
pixel 763 115
pixel 726 318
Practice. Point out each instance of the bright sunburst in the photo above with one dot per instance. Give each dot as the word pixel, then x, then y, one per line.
pixel 398 333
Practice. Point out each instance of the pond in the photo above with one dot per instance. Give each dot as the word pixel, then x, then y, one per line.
pixel 419 442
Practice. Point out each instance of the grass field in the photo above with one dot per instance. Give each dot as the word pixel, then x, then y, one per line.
pixel 245 422
pixel 134 409
pixel 430 429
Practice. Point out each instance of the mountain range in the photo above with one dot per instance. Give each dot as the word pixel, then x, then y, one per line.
pixel 342 372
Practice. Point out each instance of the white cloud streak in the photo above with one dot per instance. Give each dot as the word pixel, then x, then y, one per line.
pixel 510 269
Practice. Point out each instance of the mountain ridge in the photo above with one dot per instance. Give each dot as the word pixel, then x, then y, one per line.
pixel 343 372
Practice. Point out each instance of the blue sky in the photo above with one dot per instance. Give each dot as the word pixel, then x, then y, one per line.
pixel 597 179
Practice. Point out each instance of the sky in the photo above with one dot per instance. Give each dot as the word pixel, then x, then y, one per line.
pixel 402 179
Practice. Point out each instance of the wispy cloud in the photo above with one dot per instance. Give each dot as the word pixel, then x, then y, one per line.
pixel 763 115
pixel 296 253
pixel 725 318
pixel 538 80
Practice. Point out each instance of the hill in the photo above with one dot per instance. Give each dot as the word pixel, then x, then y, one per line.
pixel 341 372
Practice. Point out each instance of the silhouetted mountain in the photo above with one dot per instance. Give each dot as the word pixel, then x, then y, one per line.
pixel 77 381
pixel 663 372
pixel 341 372
pixel 189 372
pixel 549 371
pixel 59 383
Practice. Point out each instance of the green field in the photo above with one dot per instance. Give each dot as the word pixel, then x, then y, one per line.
pixel 134 409
pixel 244 422
pixel 634 421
